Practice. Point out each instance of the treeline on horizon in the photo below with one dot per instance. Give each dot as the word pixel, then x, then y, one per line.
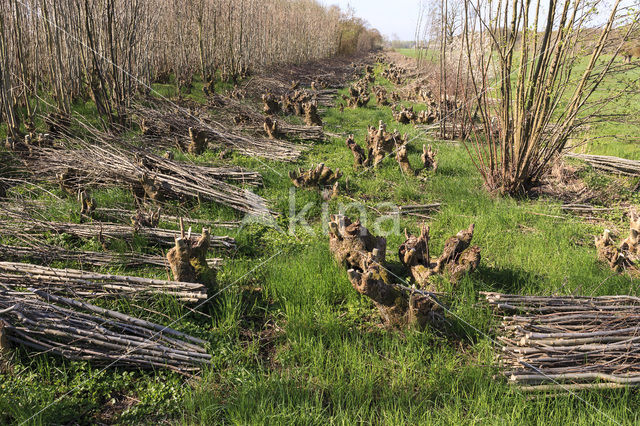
pixel 57 52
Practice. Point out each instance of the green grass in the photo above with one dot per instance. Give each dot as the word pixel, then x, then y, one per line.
pixel 293 343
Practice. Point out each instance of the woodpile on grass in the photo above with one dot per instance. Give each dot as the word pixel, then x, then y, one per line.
pixel 148 175
pixel 167 125
pixel 78 330
pixel 46 253
pixel 84 284
pixel 605 163
pixel 15 225
pixel 566 343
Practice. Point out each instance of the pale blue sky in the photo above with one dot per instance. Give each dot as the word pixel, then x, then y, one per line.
pixel 388 16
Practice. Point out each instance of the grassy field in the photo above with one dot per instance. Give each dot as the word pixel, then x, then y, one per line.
pixel 293 343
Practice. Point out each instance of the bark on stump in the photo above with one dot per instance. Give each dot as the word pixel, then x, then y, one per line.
pixel 363 255
pixel 188 260
pixel 457 258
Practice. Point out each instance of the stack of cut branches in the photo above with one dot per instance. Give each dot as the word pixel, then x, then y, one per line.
pixel 47 253
pixel 156 177
pixel 102 230
pixel 566 342
pixel 164 121
pixel 91 284
pixel 610 164
pixel 81 331
pixel 124 214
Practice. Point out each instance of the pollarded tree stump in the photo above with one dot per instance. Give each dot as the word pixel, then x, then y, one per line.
pixel 188 260
pixel 311 117
pixel 457 258
pixel 363 255
pixel 381 143
pixel 403 115
pixel 271 128
pixel 359 156
pixel 631 245
pixel 5 346
pixel 199 141
pixel 403 159
pixel 618 259
pixel 271 104
pixel 428 158
pixel 319 176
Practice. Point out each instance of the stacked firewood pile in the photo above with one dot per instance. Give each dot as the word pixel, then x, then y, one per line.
pixel 149 176
pixel 102 230
pixel 364 257
pixel 610 164
pixel 81 331
pixel 46 253
pixel 167 125
pixel 563 343
pixel 85 284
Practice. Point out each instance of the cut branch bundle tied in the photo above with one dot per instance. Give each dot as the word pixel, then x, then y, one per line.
pixel 147 174
pixel 81 331
pixel 47 253
pixel 85 284
pixel 569 342
pixel 190 128
pixel 103 230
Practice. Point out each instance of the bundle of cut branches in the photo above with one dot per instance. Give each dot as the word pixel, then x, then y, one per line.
pixel 81 331
pixel 102 230
pixel 569 342
pixel 578 208
pixel 154 176
pixel 166 120
pixel 46 253
pixel 124 214
pixel 609 164
pixel 92 284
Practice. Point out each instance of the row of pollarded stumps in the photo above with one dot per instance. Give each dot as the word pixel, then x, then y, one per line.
pixel 381 144
pixel 299 102
pixel 320 177
pixel 404 115
pixel 364 257
pixel 625 256
pixel 394 73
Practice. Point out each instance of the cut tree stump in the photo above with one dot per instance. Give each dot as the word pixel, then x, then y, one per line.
pixel 457 258
pixel 188 260
pixel 363 255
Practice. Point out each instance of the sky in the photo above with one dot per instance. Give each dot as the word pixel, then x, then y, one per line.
pixel 388 16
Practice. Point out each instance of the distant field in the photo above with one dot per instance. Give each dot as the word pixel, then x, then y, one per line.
pixel 617 133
